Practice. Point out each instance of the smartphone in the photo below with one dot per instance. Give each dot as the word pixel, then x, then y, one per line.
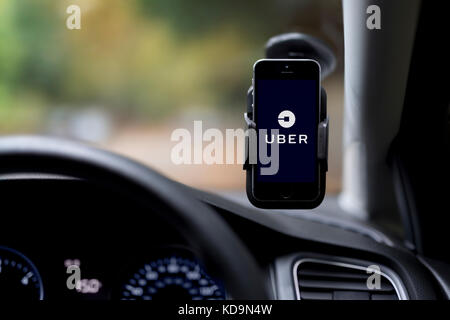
pixel 286 113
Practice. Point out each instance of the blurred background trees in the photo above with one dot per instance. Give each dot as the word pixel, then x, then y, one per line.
pixel 140 68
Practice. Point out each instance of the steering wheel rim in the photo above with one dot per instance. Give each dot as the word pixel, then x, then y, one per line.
pixel 219 246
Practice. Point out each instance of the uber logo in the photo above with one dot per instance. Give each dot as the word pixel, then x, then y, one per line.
pixel 286 119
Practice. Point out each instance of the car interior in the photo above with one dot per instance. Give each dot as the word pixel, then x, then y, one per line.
pixel 137 234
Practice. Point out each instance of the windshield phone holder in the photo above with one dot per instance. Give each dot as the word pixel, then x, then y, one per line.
pixel 297 46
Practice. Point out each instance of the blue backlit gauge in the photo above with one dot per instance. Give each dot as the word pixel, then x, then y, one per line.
pixel 171 278
pixel 19 278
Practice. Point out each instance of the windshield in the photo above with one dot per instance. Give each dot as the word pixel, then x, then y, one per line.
pixel 137 70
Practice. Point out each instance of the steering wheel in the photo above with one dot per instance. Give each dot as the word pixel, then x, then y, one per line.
pixel 218 246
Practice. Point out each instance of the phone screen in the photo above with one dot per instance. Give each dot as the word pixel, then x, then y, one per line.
pixel 286 113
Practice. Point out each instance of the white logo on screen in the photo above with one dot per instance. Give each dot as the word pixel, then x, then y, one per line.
pixel 286 119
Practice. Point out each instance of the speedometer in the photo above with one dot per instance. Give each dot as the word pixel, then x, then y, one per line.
pixel 173 277
pixel 19 278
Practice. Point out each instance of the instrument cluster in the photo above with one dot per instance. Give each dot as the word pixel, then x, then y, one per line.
pixel 165 273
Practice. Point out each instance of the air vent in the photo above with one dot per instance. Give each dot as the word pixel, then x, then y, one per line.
pixel 327 280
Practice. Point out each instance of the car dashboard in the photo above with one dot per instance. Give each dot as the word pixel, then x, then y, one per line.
pixel 65 238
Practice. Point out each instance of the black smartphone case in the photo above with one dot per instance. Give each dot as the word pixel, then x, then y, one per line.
pixel 322 156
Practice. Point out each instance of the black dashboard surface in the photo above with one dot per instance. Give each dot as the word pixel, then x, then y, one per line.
pixel 52 220
pixel 60 222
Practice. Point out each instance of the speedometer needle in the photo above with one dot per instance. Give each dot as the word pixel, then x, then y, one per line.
pixel 26 278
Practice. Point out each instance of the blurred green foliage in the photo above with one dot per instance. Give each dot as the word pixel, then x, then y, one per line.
pixel 254 19
pixel 139 59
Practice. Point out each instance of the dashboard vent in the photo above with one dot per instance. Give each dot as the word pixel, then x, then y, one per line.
pixel 328 280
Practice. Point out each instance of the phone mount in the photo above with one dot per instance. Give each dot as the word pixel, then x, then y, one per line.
pixel 297 46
